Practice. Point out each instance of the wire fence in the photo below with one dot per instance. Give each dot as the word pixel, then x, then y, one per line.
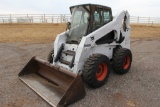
pixel 62 18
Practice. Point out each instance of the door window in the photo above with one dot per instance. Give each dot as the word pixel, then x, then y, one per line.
pixel 101 17
pixel 106 16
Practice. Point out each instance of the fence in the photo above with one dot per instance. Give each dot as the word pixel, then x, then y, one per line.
pixel 35 18
pixel 62 18
pixel 144 20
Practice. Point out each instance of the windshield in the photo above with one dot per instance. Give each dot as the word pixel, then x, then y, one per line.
pixel 79 24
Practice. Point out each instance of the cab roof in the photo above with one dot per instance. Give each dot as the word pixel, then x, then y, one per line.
pixel 89 4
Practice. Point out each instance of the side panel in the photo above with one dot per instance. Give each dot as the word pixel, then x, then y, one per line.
pixel 61 38
pixel 105 49
pixel 88 46
pixel 126 42
pixel 126 34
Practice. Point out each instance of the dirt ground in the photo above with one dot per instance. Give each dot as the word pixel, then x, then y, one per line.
pixel 140 87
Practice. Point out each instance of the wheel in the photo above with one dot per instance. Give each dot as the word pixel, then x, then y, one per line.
pixel 96 70
pixel 122 60
pixel 50 56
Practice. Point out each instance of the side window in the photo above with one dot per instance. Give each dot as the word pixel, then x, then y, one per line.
pixel 101 17
pixel 96 17
pixel 86 15
pixel 77 18
pixel 106 16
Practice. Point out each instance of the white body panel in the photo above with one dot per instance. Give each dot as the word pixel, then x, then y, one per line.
pixel 88 46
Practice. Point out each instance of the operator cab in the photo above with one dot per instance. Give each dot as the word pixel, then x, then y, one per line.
pixel 85 19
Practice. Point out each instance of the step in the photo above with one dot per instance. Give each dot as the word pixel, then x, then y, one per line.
pixel 64 62
pixel 68 52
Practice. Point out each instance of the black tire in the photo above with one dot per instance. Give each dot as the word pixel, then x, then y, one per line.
pixel 96 70
pixel 122 60
pixel 50 56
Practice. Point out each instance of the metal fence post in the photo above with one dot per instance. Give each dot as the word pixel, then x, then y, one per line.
pixel 148 20
pixel 138 19
pixel 44 19
pixel 27 18
pixel 10 18
pixel 52 19
pixel 61 18
pixel 31 19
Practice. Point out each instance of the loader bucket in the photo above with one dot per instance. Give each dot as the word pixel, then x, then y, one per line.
pixel 59 87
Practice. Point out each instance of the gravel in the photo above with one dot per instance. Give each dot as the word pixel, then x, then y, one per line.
pixel 140 87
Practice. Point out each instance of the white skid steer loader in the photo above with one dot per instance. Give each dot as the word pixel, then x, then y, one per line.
pixel 93 41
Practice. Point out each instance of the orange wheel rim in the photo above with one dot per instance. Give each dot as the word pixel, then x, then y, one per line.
pixel 102 72
pixel 127 62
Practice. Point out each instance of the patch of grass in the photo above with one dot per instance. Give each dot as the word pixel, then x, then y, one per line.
pixel 30 32
pixel 45 33
pixel 145 31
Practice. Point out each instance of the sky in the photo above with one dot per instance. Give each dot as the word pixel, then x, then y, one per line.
pixel 142 8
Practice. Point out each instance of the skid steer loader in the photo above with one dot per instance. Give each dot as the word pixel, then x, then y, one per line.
pixel 93 41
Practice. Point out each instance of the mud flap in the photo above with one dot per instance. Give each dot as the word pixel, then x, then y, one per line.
pixel 59 87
